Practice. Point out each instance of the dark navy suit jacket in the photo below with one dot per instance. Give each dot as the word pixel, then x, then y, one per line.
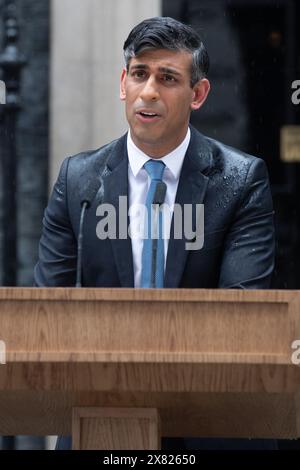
pixel 238 249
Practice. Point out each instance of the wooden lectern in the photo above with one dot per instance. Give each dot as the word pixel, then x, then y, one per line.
pixel 118 368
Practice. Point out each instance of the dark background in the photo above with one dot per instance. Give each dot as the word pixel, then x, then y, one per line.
pixel 254 51
pixel 31 181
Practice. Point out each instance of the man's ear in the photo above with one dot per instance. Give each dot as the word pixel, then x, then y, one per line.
pixel 122 85
pixel 200 92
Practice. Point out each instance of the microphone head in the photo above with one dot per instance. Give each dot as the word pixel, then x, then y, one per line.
pixel 88 195
pixel 85 201
pixel 160 193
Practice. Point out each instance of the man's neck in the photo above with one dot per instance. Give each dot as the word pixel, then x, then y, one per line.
pixel 158 150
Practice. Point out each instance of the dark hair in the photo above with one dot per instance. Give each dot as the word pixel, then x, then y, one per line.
pixel 168 33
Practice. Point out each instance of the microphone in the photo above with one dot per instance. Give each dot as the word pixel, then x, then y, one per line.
pixel 158 199
pixel 85 203
pixel 160 193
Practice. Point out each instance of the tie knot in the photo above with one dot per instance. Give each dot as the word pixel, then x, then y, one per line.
pixel 155 169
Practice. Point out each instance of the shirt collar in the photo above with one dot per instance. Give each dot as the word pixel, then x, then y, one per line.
pixel 173 160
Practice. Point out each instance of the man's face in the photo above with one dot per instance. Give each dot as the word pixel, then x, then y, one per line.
pixel 159 99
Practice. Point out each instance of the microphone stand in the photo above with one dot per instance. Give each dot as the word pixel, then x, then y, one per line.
pixel 84 205
pixel 86 202
pixel 158 199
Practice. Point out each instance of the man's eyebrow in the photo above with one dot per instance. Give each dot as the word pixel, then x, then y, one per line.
pixel 169 70
pixel 139 66
pixel 161 69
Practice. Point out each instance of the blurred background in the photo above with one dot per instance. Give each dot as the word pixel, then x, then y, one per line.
pixel 60 61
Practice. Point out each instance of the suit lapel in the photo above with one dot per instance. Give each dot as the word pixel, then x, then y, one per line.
pixel 191 190
pixel 115 181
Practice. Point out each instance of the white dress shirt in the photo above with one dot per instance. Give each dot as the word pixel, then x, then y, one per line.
pixel 139 182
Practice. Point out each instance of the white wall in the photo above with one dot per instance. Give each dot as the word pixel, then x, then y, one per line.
pixel 87 38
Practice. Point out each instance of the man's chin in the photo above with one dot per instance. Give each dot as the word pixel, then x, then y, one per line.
pixel 147 138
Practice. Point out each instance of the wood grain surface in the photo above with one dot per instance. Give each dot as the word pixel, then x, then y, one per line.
pixel 212 362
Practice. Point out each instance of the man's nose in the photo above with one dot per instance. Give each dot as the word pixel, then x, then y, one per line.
pixel 150 90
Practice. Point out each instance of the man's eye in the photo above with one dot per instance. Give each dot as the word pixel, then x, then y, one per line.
pixel 169 78
pixel 138 74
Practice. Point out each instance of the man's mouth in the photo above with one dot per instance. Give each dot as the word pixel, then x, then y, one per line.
pixel 147 116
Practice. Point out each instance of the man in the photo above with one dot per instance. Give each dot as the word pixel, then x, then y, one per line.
pixel 164 80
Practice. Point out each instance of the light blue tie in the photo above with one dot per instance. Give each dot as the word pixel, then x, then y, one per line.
pixel 153 259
